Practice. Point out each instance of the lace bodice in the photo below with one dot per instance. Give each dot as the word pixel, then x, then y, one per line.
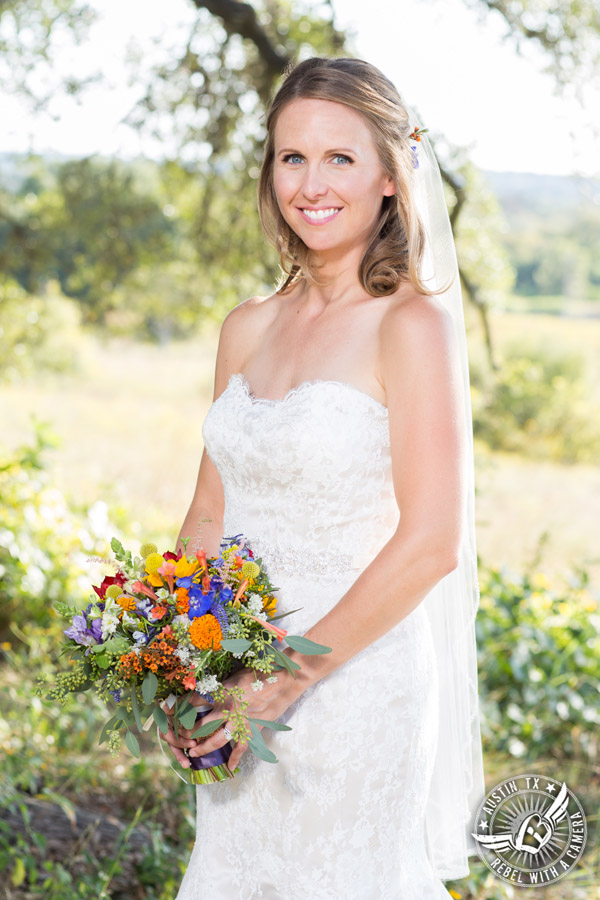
pixel 307 478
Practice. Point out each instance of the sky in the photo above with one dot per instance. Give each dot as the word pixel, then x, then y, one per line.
pixel 452 65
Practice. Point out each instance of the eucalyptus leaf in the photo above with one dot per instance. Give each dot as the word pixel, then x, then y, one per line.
pixel 160 717
pixel 108 726
pixel 258 746
pixel 276 726
pixel 236 645
pixel 136 710
pixel 188 719
pixel 305 645
pixel 132 743
pixel 149 687
pixel 208 728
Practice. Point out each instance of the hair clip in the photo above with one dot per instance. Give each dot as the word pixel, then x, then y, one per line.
pixel 416 136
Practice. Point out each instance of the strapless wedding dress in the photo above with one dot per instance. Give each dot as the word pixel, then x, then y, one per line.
pixel 307 479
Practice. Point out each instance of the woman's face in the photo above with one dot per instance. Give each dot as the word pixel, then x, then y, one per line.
pixel 325 159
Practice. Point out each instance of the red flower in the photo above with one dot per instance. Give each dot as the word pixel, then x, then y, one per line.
pixel 170 555
pixel 119 579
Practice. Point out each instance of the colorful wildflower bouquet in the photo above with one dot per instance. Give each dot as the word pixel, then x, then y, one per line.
pixel 167 625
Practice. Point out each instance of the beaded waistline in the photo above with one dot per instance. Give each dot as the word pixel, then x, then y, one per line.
pixel 298 561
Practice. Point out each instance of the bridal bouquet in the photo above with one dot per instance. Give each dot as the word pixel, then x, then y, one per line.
pixel 166 625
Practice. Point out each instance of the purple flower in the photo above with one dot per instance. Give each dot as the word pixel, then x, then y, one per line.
pixel 84 635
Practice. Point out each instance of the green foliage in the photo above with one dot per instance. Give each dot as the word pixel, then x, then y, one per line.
pixel 37 332
pixel 538 405
pixel 480 233
pixel 44 542
pixel 539 657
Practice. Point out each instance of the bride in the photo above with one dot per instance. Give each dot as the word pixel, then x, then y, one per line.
pixel 339 443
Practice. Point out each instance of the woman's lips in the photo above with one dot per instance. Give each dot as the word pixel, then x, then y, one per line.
pixel 321 221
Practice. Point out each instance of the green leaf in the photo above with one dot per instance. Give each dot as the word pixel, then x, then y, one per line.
pixel 64 609
pixel 282 658
pixel 208 728
pixel 108 726
pixel 103 660
pixel 118 548
pixel 258 746
pixel 132 743
pixel 305 645
pixel 160 717
pixel 149 687
pixel 136 709
pixel 188 719
pixel 236 645
pixel 276 726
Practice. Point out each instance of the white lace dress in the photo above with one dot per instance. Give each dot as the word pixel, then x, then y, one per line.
pixel 307 478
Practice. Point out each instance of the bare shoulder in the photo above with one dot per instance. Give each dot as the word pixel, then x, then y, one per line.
pixel 241 328
pixel 414 322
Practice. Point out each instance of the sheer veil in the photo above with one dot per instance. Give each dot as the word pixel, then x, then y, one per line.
pixel 457 785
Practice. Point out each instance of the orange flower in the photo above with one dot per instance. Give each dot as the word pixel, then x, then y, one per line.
pixel 182 603
pixel 279 632
pixel 126 602
pixel 205 633
pixel 142 588
pixel 157 612
pixel 189 682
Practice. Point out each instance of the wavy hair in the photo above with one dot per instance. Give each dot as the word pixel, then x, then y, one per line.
pixel 395 245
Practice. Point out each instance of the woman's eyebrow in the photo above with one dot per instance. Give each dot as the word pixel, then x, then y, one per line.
pixel 333 150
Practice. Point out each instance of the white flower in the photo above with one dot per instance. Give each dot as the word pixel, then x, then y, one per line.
pixel 272 678
pixel 129 620
pixel 180 620
pixel 183 653
pixel 139 637
pixel 207 684
pixel 255 604
pixel 109 624
pixel 257 685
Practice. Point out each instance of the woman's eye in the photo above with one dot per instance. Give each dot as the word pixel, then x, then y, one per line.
pixel 290 156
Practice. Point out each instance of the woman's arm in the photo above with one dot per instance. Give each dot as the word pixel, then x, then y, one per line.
pixel 419 363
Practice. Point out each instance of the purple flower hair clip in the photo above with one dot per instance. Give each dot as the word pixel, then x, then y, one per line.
pixel 415 135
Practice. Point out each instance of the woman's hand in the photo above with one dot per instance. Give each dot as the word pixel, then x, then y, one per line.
pixel 268 703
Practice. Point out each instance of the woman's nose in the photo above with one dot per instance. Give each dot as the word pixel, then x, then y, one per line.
pixel 314 183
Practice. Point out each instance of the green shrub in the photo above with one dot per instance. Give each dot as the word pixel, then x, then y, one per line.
pixel 539 662
pixel 37 332
pixel 538 405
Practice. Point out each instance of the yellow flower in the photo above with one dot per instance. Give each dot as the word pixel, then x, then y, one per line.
pixel 114 591
pixel 183 568
pixel 454 894
pixel 147 549
pixel 270 605
pixel 155 580
pixel 153 562
pixel 250 569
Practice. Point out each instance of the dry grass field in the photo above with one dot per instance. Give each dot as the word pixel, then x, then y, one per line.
pixel 130 420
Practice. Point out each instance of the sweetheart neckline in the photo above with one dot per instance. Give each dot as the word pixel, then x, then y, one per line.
pixel 295 390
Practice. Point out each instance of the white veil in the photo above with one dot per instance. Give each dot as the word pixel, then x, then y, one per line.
pixel 457 786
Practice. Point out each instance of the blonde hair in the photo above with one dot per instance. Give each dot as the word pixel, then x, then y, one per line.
pixel 395 246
